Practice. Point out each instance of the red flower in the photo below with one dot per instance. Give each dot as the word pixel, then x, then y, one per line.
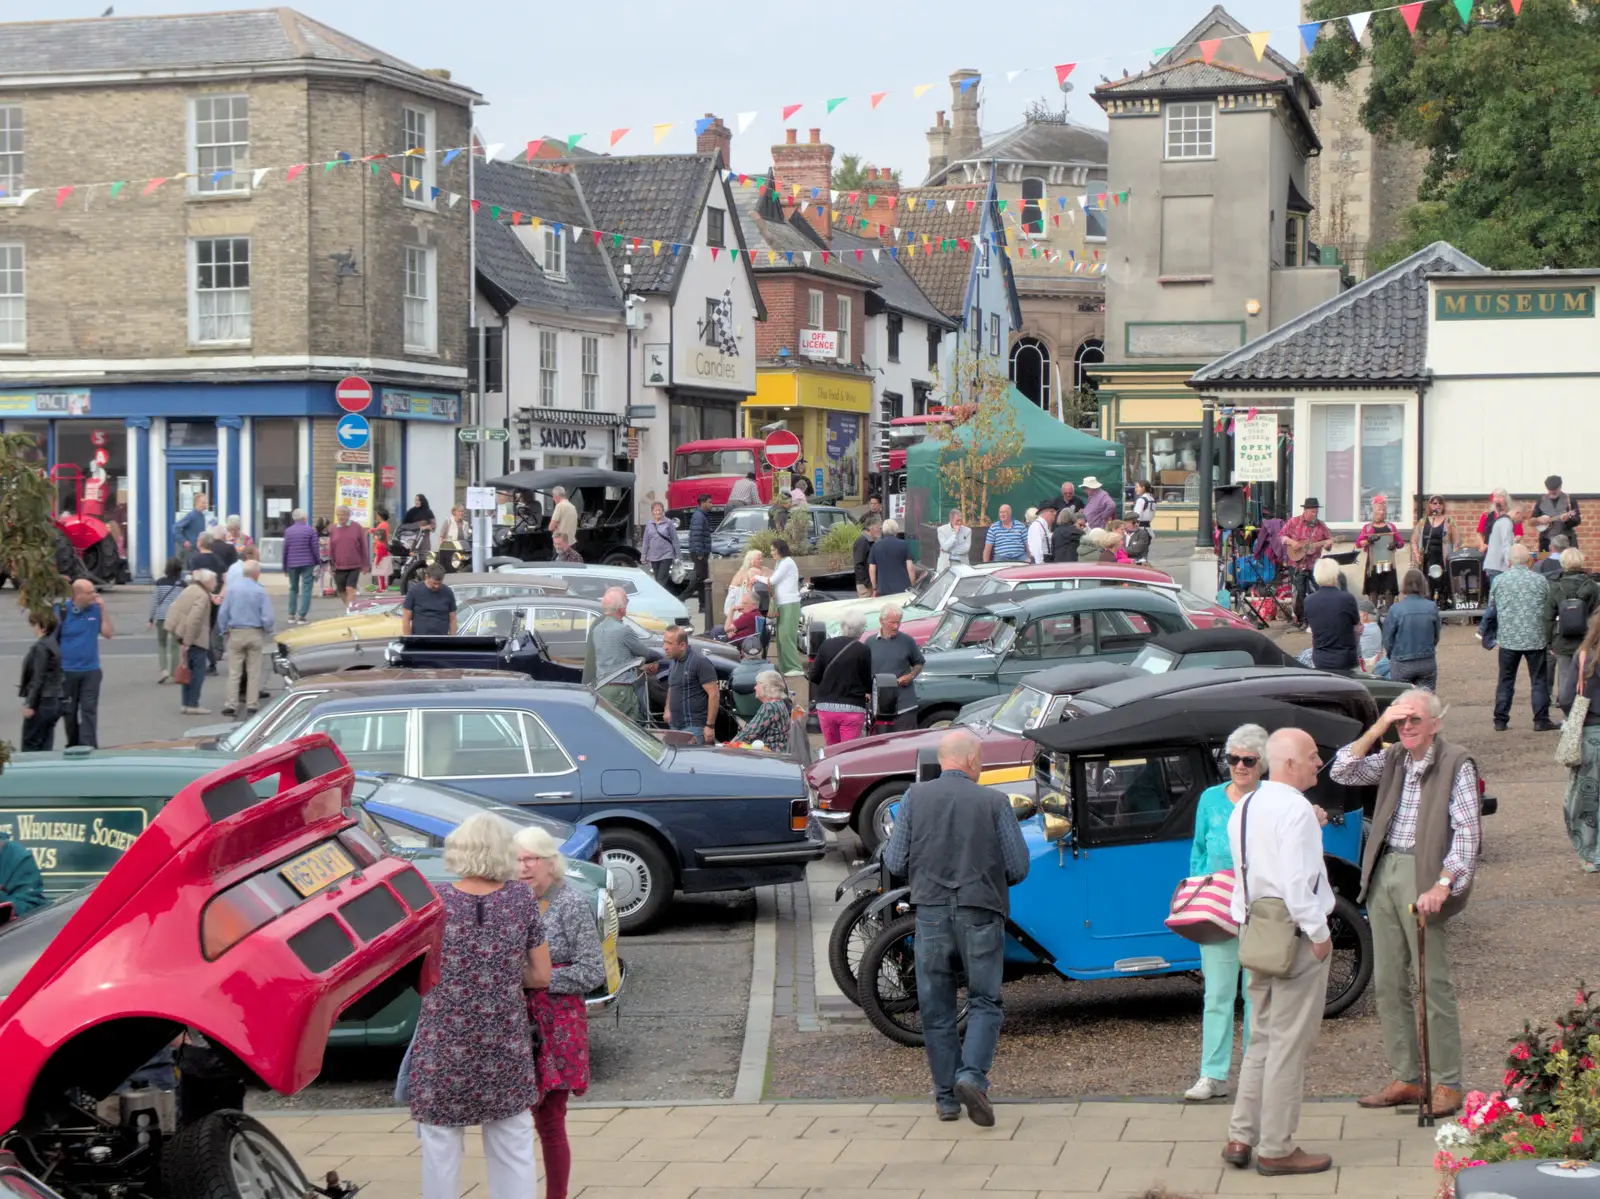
pixel 1586 1062
pixel 1582 999
pixel 1537 1120
pixel 1519 1052
pixel 1577 1136
pixel 1511 1077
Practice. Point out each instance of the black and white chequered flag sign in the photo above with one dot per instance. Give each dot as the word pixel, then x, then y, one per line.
pixel 722 319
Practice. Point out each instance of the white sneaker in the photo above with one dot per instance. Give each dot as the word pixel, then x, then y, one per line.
pixel 1207 1088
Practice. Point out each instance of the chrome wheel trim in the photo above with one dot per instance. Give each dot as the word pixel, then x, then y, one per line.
pixel 631 884
pixel 261 1170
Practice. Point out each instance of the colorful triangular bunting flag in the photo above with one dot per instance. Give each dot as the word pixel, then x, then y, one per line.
pixel 1258 42
pixel 1308 34
pixel 1063 69
pixel 1209 48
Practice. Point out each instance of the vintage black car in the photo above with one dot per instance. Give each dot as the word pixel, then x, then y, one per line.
pixel 604 499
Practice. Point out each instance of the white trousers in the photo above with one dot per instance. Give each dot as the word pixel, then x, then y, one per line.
pixel 507 1150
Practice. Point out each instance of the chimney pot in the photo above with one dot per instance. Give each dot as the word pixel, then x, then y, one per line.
pixel 789 137
pixel 816 137
pixel 938 118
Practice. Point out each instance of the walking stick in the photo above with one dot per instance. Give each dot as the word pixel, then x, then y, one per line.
pixel 1425 1104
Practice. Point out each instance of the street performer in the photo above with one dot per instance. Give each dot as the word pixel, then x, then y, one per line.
pixel 1429 810
pixel 1304 539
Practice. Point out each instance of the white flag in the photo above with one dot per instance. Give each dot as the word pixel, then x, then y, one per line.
pixel 875 255
pixel 577 232
pixel 1358 23
pixel 494 150
pixel 455 198
pixel 258 175
pixel 807 254
pixel 1012 75
pixel 744 120
pixel 949 205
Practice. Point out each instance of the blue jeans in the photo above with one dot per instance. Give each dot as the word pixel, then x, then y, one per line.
pixel 300 580
pixel 948 939
pixel 199 659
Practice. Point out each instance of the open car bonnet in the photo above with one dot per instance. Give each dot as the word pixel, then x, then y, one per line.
pixel 252 909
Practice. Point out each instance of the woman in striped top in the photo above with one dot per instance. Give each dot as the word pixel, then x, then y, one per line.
pixel 168 588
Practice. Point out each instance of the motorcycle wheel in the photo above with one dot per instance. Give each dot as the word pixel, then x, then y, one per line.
pixel 229 1155
pixel 886 984
pixel 852 932
pixel 1350 965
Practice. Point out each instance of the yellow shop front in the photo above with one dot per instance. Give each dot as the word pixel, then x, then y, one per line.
pixel 828 412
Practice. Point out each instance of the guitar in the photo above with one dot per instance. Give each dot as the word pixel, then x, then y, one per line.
pixel 1299 549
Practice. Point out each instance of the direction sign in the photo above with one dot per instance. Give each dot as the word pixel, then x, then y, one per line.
pixel 782 449
pixel 354 432
pixel 353 457
pixel 471 433
pixel 353 393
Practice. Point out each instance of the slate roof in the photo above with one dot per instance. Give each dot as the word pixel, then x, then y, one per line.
pixel 896 288
pixel 768 225
pixel 1191 75
pixel 507 265
pixel 1376 332
pixel 943 277
pixel 1184 47
pixel 1043 142
pixel 197 40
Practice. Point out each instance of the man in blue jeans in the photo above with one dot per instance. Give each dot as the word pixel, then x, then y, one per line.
pixel 960 845
pixel 80 626
pixel 301 557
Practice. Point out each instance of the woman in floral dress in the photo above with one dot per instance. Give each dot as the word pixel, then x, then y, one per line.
pixel 770 724
pixel 578 966
pixel 472 1058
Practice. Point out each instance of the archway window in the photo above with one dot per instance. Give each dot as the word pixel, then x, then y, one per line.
pixel 1033 198
pixel 1091 353
pixel 1030 370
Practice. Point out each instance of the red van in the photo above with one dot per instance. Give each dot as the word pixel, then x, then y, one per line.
pixel 712 468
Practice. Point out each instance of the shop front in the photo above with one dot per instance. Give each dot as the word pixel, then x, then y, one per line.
pixel 828 412
pixel 1156 419
pixel 258 451
pixel 547 438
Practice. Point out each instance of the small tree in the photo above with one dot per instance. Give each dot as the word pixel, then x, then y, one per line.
pixel 28 537
pixel 979 450
pixel 851 173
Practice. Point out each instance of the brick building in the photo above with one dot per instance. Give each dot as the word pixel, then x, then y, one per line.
pixel 191 331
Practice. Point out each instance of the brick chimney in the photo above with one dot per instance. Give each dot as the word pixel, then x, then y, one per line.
pixel 717 139
pixel 810 165
pixel 938 144
pixel 965 139
pixel 881 183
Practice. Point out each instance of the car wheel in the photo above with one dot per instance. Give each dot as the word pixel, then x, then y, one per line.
pixel 641 879
pixel 1350 965
pixel 938 718
pixel 229 1155
pixel 852 932
pixel 886 984
pixel 618 558
pixel 873 822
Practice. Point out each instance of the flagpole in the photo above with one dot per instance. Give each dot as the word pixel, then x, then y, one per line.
pixel 483 529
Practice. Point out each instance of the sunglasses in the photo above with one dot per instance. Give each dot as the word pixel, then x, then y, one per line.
pixel 1243 760
pixel 1406 722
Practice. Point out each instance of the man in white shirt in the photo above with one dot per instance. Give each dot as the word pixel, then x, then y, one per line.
pixel 1039 534
pixel 1282 859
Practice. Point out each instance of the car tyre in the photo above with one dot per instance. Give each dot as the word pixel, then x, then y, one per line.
pixel 886 984
pixel 938 718
pixel 641 874
pixel 618 558
pixel 1350 968
pixel 872 815
pixel 229 1155
pixel 852 932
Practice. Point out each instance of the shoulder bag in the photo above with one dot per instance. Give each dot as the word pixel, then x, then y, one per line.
pixel 1201 908
pixel 1267 940
pixel 1569 750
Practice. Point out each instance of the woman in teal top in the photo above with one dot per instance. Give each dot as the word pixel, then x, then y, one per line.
pixel 1247 762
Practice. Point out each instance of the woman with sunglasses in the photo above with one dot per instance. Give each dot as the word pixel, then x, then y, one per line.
pixel 1246 760
pixel 1433 541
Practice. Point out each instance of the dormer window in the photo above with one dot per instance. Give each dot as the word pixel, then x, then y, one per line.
pixel 1191 131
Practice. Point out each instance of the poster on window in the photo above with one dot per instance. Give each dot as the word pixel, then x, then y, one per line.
pixel 355 493
pixel 1339 462
pixel 1383 434
pixel 844 454
pixel 1255 448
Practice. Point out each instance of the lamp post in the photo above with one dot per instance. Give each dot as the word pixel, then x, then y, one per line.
pixel 1203 563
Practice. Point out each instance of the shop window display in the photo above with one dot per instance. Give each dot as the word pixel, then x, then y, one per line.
pixel 88 445
pixel 276 466
pixel 1169 458
pixel 1357 452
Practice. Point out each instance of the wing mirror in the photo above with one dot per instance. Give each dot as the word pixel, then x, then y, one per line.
pixel 1023 807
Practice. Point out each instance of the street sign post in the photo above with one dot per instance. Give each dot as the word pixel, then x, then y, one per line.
pixel 480 499
pixel 782 449
pixel 353 457
pixel 353 393
pixel 476 433
pixel 354 432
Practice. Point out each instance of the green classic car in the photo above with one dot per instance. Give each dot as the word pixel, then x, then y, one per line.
pixel 984 647
pixel 79 810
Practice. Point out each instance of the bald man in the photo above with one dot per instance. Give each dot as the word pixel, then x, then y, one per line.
pixel 80 627
pixel 960 845
pixel 1275 836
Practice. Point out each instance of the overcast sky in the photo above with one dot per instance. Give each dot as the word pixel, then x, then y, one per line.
pixel 562 69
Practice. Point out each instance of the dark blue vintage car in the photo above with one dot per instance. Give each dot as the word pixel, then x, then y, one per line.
pixel 669 817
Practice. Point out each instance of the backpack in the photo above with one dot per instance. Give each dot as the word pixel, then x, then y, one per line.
pixel 1572 617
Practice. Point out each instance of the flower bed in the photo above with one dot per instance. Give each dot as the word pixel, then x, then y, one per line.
pixel 1548 1107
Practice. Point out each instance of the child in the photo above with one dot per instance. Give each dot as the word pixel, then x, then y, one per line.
pixel 380 550
pixel 1371 646
pixel 325 570
pixel 167 588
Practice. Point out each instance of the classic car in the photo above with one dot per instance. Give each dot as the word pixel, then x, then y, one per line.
pixel 646 597
pixel 936 591
pixel 732 536
pixel 669 816
pixel 251 915
pixel 603 498
pixel 1016 579
pixel 467 586
pixel 1108 823
pixel 985 646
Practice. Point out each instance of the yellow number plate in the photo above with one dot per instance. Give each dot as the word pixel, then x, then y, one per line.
pixel 613 971
pixel 311 872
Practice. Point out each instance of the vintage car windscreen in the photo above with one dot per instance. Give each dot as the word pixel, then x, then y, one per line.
pixel 1023 709
pixel 959 629
pixel 270 711
pixel 1153 659
pixel 630 732
pixel 703 464
pixel 744 520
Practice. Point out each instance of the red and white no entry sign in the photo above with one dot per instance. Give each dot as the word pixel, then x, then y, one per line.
pixel 353 393
pixel 782 449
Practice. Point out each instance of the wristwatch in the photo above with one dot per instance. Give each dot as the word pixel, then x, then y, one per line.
pixel 1447 881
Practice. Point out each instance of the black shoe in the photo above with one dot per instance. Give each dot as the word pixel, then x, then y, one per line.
pixel 263 694
pixel 979 1110
pixel 227 711
pixel 1499 726
pixel 1546 726
pixel 949 1114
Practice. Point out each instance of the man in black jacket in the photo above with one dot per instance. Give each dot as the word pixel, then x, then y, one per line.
pixel 700 551
pixel 1556 513
pixel 862 551
pixel 960 845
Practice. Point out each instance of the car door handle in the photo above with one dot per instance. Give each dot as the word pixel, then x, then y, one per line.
pixel 552 794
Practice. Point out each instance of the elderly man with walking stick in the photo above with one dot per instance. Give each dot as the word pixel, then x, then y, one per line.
pixel 1417 865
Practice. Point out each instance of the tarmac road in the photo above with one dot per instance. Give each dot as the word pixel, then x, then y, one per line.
pixel 681 1022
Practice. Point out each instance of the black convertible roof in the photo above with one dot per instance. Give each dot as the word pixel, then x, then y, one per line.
pixel 562 476
pixel 1263 650
pixel 1175 718
pixel 1080 676
pixel 1146 687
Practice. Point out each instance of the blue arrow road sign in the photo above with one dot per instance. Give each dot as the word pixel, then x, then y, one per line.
pixel 354 432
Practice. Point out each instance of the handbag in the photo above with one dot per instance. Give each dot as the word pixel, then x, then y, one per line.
pixel 1267 940
pixel 180 673
pixel 1569 750
pixel 1201 908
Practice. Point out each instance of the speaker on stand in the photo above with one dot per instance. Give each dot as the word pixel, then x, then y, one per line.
pixel 1228 503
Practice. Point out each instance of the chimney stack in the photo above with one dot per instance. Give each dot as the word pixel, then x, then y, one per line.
pixel 938 144
pixel 808 165
pixel 716 139
pixel 965 140
pixel 881 183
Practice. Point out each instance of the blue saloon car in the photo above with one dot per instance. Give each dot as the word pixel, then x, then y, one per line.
pixel 668 817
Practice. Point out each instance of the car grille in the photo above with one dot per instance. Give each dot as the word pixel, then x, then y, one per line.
pixel 606 923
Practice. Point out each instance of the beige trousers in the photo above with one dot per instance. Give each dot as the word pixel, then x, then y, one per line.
pixel 1288 1015
pixel 244 658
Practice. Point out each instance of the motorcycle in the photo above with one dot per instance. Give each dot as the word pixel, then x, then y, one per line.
pixel 412 551
pixel 856 925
